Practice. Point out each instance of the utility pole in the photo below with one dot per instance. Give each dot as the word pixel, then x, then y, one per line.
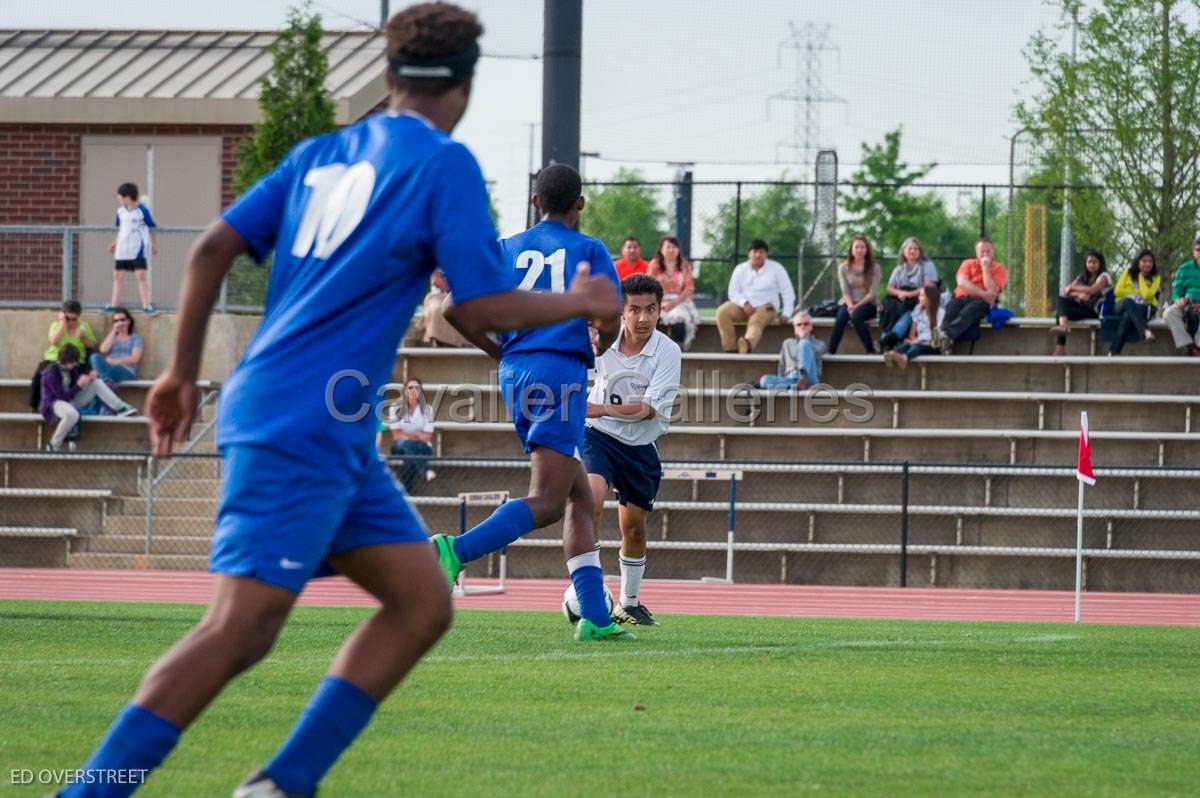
pixel 808 91
pixel 562 44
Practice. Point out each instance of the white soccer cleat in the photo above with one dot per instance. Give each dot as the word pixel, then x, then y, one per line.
pixel 259 785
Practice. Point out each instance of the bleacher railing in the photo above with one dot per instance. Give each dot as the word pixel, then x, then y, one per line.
pixel 886 523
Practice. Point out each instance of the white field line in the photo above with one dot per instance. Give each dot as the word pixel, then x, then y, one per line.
pixel 614 650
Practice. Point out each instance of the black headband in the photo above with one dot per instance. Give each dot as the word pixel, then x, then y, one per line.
pixel 455 67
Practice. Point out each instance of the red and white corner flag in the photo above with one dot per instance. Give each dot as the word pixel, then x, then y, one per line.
pixel 1083 466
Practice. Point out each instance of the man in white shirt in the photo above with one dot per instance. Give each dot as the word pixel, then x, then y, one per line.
pixel 629 407
pixel 759 290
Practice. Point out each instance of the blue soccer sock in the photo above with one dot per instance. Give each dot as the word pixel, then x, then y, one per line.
pixel 510 521
pixel 335 715
pixel 137 741
pixel 589 587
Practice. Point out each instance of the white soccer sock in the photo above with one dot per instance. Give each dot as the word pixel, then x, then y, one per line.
pixel 580 560
pixel 632 569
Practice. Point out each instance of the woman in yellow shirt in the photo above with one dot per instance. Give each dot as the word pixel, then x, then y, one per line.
pixel 1136 298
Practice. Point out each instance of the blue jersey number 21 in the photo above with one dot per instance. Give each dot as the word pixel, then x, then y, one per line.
pixel 534 263
pixel 335 207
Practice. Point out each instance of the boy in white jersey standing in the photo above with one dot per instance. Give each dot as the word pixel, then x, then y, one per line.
pixel 133 243
pixel 637 380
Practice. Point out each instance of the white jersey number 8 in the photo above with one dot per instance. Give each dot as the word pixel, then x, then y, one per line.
pixel 335 207
pixel 534 263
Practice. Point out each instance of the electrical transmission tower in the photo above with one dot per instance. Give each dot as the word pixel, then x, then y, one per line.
pixel 808 92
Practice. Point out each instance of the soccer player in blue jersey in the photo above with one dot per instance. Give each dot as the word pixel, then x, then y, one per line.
pixel 357 219
pixel 543 380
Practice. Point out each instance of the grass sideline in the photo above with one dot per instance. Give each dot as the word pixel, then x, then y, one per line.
pixel 507 704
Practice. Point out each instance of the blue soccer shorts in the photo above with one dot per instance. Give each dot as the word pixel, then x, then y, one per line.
pixel 634 472
pixel 545 394
pixel 280 516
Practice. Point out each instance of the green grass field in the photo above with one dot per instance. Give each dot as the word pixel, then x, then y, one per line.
pixel 508 705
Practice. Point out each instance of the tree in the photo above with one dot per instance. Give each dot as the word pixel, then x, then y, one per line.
pixel 879 204
pixel 778 215
pixel 624 206
pixel 295 104
pixel 1128 111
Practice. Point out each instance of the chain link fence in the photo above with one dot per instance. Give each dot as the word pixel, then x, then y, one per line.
pixel 883 524
pixel 715 221
pixel 44 265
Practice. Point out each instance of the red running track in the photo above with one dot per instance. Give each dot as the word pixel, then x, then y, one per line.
pixel 694 598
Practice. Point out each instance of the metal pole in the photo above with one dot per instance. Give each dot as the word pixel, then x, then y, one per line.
pixel 149 503
pixel 983 212
pixel 1079 552
pixel 737 225
pixel 1066 244
pixel 732 519
pixel 68 258
pixel 1009 257
pixel 223 301
pixel 462 516
pixel 384 13
pixel 683 210
pixel 904 526
pixel 562 44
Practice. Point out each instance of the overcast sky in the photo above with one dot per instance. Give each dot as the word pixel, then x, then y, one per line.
pixel 690 80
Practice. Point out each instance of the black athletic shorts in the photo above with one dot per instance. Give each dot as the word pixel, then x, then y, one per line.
pixel 130 265
pixel 634 472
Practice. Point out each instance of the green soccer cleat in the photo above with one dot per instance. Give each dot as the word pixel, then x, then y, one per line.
pixel 443 546
pixel 586 630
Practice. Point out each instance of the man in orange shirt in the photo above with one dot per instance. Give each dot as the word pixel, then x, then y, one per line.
pixel 981 280
pixel 630 261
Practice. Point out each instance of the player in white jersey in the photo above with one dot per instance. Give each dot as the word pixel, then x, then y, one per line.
pixel 629 407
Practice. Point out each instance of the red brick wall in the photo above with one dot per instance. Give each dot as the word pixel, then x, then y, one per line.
pixel 39 184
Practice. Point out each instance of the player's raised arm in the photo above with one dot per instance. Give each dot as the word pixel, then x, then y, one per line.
pixel 589 297
pixel 171 403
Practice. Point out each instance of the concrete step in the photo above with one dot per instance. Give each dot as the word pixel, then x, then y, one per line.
pixel 136 544
pixel 164 526
pixel 172 488
pixel 135 562
pixel 166 507
pixel 1132 374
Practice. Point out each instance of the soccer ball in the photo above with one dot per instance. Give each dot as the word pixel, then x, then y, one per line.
pixel 570 604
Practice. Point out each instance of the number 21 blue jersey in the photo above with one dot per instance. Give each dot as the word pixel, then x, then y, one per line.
pixel 544 258
pixel 358 219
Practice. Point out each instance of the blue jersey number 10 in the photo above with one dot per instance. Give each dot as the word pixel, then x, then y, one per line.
pixel 335 207
pixel 534 263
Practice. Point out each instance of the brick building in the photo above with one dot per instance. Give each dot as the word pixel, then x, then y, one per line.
pixel 82 111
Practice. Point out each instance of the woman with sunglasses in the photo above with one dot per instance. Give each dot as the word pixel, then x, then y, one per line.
pixel 411 425
pixel 120 351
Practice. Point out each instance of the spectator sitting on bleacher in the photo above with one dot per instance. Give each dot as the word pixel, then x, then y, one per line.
pixel 913 272
pixel 1136 298
pixel 438 331
pixel 923 332
pixel 69 328
pixel 981 280
pixel 1081 299
pixel 630 261
pixel 859 279
pixel 120 351
pixel 66 389
pixel 1184 310
pixel 757 289
pixel 410 423
pixel 799 357
pixel 674 274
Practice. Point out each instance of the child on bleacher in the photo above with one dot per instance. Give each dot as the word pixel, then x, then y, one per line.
pixel 924 333
pixel 66 388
